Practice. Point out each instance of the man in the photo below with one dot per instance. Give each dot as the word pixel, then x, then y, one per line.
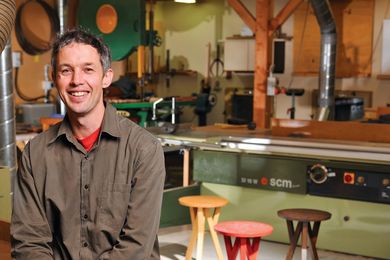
pixel 89 187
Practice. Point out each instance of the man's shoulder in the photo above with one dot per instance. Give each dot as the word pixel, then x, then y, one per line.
pixel 45 137
pixel 134 131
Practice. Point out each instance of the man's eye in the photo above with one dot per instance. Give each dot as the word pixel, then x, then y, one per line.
pixel 65 71
pixel 89 70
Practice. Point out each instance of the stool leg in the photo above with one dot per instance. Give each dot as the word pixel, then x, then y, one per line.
pixel 313 234
pixel 253 248
pixel 201 223
pixel 304 241
pixel 216 214
pixel 243 248
pixel 194 221
pixel 213 234
pixel 232 250
pixel 294 236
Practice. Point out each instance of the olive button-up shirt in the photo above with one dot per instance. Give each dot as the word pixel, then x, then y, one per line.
pixel 102 204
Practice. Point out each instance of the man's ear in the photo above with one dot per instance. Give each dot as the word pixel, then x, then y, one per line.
pixel 107 79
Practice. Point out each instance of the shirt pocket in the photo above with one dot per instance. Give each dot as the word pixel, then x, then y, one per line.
pixel 112 206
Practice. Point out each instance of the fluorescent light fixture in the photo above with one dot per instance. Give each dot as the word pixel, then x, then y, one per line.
pixel 186 1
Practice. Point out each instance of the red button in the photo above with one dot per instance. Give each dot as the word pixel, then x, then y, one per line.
pixel 349 178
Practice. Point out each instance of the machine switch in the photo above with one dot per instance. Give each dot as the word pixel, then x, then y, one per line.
pixel 360 180
pixel 349 178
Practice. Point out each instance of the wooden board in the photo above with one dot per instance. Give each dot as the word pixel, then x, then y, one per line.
pixel 354 21
pixel 348 131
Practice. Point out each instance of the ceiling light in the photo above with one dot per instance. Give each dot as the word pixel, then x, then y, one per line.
pixel 186 1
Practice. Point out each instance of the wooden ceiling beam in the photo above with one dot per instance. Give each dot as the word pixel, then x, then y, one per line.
pixel 244 13
pixel 283 15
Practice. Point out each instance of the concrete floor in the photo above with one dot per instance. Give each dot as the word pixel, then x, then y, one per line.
pixel 174 241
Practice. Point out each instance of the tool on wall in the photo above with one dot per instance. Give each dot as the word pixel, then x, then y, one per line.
pixel 217 65
pixel 294 92
pixel 205 99
pixel 167 70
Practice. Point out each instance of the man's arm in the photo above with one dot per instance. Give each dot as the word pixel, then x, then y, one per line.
pixel 139 235
pixel 30 231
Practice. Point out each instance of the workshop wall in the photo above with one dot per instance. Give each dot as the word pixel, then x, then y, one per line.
pixel 187 37
pixel 187 30
pixel 380 88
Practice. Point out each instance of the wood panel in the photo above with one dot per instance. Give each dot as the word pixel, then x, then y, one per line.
pixel 347 131
pixel 354 21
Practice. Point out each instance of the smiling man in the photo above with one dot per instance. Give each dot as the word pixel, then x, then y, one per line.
pixel 91 186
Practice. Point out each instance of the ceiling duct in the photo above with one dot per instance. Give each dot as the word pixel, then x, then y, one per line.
pixel 327 72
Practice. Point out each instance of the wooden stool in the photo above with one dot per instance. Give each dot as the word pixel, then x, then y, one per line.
pixel 200 211
pixel 243 231
pixel 304 217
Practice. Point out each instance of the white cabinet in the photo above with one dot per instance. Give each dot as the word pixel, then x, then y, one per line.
pixel 239 54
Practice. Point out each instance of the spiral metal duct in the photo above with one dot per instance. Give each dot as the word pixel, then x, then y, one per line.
pixel 327 73
pixel 7 114
pixel 62 9
pixel 7 19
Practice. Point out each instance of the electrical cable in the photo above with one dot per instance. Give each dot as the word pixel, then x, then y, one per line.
pixel 21 95
pixel 27 46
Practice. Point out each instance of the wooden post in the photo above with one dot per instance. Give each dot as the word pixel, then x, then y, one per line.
pixel 186 167
pixel 264 27
pixel 261 111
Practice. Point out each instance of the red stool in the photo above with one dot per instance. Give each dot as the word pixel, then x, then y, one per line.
pixel 243 231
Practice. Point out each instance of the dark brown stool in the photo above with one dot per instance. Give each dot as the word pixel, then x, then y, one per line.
pixel 303 217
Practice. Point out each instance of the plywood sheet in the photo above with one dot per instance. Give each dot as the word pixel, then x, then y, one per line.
pixel 354 21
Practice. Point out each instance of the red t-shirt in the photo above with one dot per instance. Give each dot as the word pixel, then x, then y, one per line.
pixel 88 141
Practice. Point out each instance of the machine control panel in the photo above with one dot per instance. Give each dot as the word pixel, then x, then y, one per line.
pixel 356 184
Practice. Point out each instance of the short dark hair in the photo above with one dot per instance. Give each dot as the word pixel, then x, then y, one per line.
pixel 81 35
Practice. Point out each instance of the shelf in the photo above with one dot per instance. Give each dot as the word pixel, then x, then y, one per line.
pixel 383 76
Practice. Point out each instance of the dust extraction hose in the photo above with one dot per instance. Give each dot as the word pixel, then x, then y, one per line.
pixel 7 19
pixel 7 114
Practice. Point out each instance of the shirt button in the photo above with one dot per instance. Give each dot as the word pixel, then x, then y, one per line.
pixel 85 244
pixel 85 216
pixel 86 186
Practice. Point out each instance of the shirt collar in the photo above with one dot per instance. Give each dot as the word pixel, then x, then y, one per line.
pixel 110 125
pixel 111 121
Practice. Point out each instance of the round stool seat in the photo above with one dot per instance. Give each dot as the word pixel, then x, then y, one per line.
pixel 248 229
pixel 247 236
pixel 304 215
pixel 202 201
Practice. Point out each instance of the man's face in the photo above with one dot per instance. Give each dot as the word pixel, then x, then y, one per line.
pixel 80 79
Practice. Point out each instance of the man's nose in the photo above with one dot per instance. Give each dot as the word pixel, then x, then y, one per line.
pixel 77 78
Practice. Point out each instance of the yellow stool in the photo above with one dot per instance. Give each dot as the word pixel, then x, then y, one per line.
pixel 200 211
